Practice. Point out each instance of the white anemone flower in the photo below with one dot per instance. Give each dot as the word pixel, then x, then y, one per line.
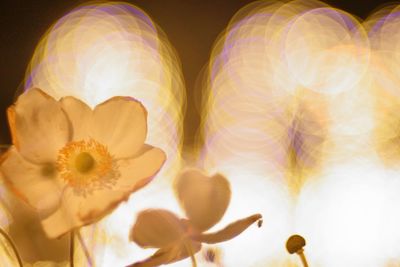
pixel 74 164
pixel 204 200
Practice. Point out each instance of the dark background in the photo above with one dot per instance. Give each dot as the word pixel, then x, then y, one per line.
pixel 191 25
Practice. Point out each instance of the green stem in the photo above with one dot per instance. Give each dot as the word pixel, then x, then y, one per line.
pixel 14 248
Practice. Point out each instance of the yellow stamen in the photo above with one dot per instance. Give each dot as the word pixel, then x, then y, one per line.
pixel 86 165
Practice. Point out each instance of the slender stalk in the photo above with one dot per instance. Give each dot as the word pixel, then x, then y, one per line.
pixel 71 249
pixel 303 258
pixel 193 259
pixel 85 250
pixel 190 251
pixel 14 248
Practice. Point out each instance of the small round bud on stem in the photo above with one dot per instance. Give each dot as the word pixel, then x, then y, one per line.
pixel 295 244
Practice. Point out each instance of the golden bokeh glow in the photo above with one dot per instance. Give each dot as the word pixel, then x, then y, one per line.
pixel 103 50
pixel 294 108
pixel 300 112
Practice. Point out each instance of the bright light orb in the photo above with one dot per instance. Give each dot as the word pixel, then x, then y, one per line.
pixel 103 50
pixel 289 94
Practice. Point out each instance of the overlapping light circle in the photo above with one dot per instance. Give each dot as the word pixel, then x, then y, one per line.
pixel 102 50
pixel 99 51
pixel 300 112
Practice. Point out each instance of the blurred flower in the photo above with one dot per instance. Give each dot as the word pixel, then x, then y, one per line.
pixel 204 200
pixel 74 164
pixel 47 264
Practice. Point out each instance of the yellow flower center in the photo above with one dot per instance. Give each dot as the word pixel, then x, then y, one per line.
pixel 86 166
pixel 84 162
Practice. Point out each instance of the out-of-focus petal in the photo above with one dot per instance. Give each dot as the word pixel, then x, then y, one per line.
pixel 156 228
pixel 78 210
pixel 47 264
pixel 170 254
pixel 229 232
pixel 79 114
pixel 120 124
pixel 204 199
pixel 185 249
pixel 161 257
pixel 39 127
pixel 38 185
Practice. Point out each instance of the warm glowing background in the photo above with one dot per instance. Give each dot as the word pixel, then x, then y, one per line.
pixel 296 116
pixel 298 110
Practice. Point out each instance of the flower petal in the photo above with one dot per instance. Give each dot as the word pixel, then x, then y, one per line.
pixel 176 252
pixel 204 199
pixel 61 221
pixel 48 264
pixel 141 169
pixel 232 230
pixel 156 228
pixel 161 257
pixel 79 115
pixel 39 127
pixel 77 210
pixel 38 185
pixel 185 249
pixel 121 124
pixel 134 174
